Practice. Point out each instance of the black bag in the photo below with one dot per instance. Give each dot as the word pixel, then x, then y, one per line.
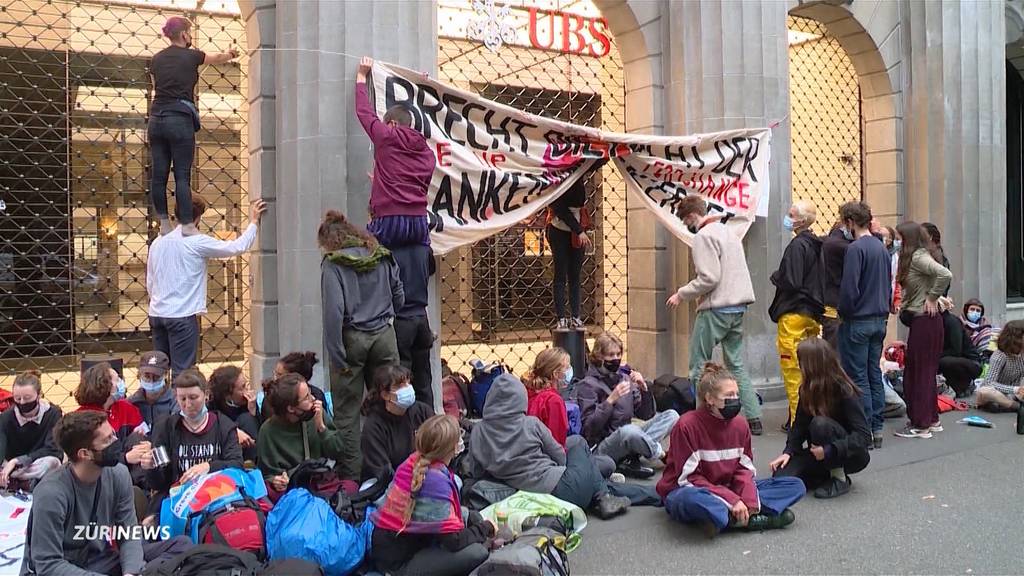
pixel 206 560
pixel 317 476
pixel 672 392
pixel 352 509
pixel 537 552
pixel 292 567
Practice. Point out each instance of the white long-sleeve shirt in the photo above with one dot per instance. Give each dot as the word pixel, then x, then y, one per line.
pixel 176 270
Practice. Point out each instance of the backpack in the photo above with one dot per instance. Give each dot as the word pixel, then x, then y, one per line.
pixel 240 525
pixel 304 526
pixel 455 394
pixel 538 551
pixel 318 476
pixel 206 560
pixel 483 377
pixel 575 417
pixel 352 509
pixel 673 393
pixel 6 400
pixel 291 567
pixel 183 511
pixel 481 493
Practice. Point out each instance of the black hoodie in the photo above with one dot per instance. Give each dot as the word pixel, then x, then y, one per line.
pixel 799 286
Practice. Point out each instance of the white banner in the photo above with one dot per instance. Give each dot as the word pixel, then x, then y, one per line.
pixel 497 165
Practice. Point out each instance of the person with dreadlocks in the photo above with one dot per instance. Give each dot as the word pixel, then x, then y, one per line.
pixel 361 291
pixel 420 528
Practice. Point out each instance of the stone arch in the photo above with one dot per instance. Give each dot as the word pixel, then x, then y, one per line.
pixel 869 34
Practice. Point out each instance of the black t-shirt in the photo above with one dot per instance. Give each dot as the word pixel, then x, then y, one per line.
pixel 175 74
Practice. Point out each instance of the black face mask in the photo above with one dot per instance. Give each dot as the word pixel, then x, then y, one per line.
pixel 612 365
pixel 731 408
pixel 26 408
pixel 109 456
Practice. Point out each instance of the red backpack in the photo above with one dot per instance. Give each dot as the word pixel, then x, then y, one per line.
pixel 455 395
pixel 239 525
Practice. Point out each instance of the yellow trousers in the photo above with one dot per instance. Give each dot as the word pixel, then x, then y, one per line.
pixel 793 329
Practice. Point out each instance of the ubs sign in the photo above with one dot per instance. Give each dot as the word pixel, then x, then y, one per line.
pixel 496 23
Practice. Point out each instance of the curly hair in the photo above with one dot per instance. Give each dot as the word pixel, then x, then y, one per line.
pixel 335 231
pixel 96 385
pixel 222 385
pixel 1011 338
pixel 300 362
pixel 283 393
pixel 77 430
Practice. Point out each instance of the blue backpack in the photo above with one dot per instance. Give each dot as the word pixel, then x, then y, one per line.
pixel 480 385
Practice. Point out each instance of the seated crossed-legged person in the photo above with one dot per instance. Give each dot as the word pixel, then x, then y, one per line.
pixel 1002 389
pixel 709 473
pixel 155 397
pixel 830 420
pixel 610 397
pixel 27 448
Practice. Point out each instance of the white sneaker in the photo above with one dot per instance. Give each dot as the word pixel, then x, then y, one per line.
pixel 937 427
pixel 617 478
pixel 576 323
pixel 563 324
pixel 911 432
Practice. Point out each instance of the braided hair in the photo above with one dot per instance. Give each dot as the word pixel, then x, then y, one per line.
pixel 436 440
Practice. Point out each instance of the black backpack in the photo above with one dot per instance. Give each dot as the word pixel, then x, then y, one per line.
pixel 206 560
pixel 673 393
pixel 352 509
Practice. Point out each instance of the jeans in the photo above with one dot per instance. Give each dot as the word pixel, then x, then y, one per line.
pixel 860 349
pixel 415 340
pixel 172 142
pixel 711 329
pixel 568 266
pixel 803 465
pixel 689 504
pixel 793 329
pixel 643 440
pixel 178 338
pixel 581 482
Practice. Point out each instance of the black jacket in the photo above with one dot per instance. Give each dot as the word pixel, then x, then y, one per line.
pixel 387 440
pixel 956 343
pixel 391 551
pixel 849 415
pixel 798 281
pixel 833 256
pixel 574 197
pixel 168 433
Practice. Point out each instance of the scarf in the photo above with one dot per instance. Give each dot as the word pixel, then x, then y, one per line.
pixel 437 507
pixel 357 263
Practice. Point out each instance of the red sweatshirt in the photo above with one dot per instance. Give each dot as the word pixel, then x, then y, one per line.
pixel 547 406
pixel 123 416
pixel 708 452
pixel 403 164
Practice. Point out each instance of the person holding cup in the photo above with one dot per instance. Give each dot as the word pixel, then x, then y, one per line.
pixel 103 390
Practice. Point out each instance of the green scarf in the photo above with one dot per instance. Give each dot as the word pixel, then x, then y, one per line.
pixel 358 263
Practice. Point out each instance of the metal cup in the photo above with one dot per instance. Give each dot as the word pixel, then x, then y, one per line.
pixel 160 457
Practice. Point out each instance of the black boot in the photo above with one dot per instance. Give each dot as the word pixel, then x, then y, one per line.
pixel 606 506
pixel 632 468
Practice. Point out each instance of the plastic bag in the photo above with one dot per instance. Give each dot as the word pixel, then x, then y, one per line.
pixel 304 526
pixel 522 505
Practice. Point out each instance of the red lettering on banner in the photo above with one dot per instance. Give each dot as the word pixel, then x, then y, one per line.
pixel 601 37
pixel 492 159
pixel 443 150
pixel 533 30
pixel 566 31
pixel 743 196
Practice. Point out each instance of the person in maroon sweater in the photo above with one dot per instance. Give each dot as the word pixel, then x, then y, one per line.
pixel 709 473
pixel 403 165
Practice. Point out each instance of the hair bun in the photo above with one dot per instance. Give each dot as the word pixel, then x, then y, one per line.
pixel 335 216
pixel 711 369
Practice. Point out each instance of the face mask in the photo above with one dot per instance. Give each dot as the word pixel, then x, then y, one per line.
pixel 151 385
pixel 27 407
pixel 787 223
pixel 691 228
pixel 109 456
pixel 461 447
pixel 731 408
pixel 568 375
pixel 405 397
pixel 846 233
pixel 897 244
pixel 974 316
pixel 612 365
pixel 121 388
pixel 198 418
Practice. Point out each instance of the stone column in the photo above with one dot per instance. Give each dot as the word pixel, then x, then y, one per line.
pixel 955 136
pixel 727 68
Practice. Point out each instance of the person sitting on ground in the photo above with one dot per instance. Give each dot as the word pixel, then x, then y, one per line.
pixel 102 390
pixel 551 370
pixel 709 476
pixel 392 416
pixel 303 364
pixel 197 440
pixel 297 431
pixel 518 450
pixel 154 398
pixel 27 448
pixel 422 528
pixel 960 363
pixel 232 397
pixel 830 421
pixel 92 490
pixel 610 397
pixel 978 327
pixel 1002 389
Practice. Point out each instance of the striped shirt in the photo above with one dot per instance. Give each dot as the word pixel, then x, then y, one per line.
pixel 1005 373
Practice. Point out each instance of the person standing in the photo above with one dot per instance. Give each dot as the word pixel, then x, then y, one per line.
pixel 174 120
pixel 798 296
pixel 412 327
pixel 567 235
pixel 924 281
pixel 865 299
pixel 176 281
pixel 723 291
pixel 833 255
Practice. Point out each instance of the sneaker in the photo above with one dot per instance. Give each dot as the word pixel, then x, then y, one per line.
pixel 785 428
pixel 632 468
pixel 833 488
pixel 911 432
pixel 937 427
pixel 876 441
pixel 562 325
pixel 617 478
pixel 576 323
pixel 607 506
pixel 760 522
pixel 756 428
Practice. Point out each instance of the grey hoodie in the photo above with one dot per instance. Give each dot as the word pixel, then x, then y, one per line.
pixel 512 447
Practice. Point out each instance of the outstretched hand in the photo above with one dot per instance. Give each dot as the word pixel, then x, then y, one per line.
pixel 365 64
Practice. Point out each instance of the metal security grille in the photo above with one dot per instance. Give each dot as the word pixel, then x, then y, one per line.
pixel 825 115
pixel 497 301
pixel 75 217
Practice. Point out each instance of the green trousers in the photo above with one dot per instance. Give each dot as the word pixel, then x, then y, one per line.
pixel 711 329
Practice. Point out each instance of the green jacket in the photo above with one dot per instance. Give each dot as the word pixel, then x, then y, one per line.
pixel 281 449
pixel 926 279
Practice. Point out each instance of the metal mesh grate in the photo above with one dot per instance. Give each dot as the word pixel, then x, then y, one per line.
pixel 825 115
pixel 496 296
pixel 75 221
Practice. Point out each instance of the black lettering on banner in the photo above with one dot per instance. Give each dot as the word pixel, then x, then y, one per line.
pixel 499 130
pixel 524 143
pixel 392 98
pixel 725 160
pixel 451 116
pixel 443 200
pixel 434 221
pixel 748 160
pixel 471 128
pixel 429 109
pixel 467 196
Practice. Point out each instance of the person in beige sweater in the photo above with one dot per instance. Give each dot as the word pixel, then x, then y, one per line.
pixel 723 291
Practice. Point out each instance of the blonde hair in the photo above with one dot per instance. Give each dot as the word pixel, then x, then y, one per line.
pixel 30 378
pixel 710 379
pixel 548 362
pixel 436 439
pixel 806 212
pixel 603 344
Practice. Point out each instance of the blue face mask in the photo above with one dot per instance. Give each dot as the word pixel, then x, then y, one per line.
pixel 405 397
pixel 197 419
pixel 787 223
pixel 568 375
pixel 974 316
pixel 151 385
pixel 119 393
pixel 897 244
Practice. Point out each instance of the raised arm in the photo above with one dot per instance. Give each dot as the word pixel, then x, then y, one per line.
pixel 221 57
pixel 209 247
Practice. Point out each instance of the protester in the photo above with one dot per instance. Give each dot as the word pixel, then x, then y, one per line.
pixel 518 450
pixel 102 390
pixel 232 397
pixel 934 238
pixel 27 448
pixel 174 120
pixel 361 290
pixel 301 363
pixel 833 258
pixel 92 490
pixel 551 370
pixel 610 397
pixel 154 398
pixel 567 236
pixel 923 281
pixel 887 236
pixel 392 416
pixel 723 291
pixel 413 335
pixel 830 421
pixel 978 327
pixel 197 440
pixel 865 300
pixel 959 362
pixel 1002 390
pixel 420 528
pixel 176 273
pixel 297 431
pixel 709 476
pixel 798 299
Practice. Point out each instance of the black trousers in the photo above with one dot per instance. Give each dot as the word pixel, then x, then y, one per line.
pixel 959 373
pixel 568 266
pixel 172 144
pixel 830 332
pixel 415 339
pixel 178 338
pixel 803 465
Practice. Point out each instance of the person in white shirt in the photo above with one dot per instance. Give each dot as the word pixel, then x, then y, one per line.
pixel 176 282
